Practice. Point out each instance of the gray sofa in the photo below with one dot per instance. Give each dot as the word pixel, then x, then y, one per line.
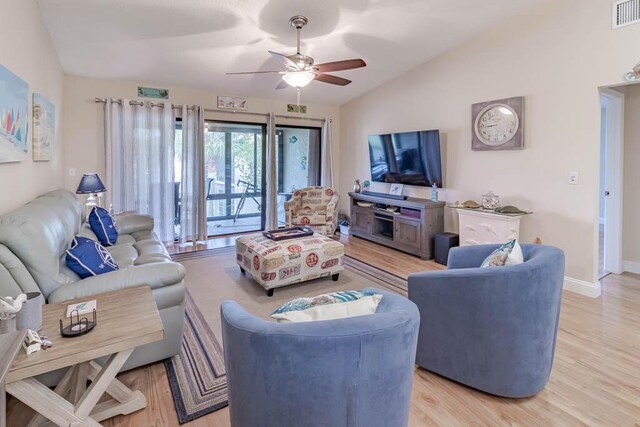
pixel 33 241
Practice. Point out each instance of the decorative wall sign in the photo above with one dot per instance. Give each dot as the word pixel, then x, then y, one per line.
pixel 150 92
pixel 294 108
pixel 44 128
pixel 14 117
pixel 498 125
pixel 232 103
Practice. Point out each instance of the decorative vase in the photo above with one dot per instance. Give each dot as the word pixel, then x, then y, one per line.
pixel 30 315
pixel 357 187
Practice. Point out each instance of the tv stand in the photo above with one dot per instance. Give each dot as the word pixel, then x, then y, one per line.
pixel 411 228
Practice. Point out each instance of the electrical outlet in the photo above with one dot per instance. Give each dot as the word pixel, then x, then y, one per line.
pixel 573 178
pixel 72 171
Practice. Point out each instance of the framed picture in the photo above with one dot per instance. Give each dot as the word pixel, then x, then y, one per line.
pixel 44 128
pixel 498 125
pixel 396 189
pixel 14 118
pixel 152 92
pixel 232 103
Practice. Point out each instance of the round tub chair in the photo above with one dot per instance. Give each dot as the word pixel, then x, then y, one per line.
pixel 353 372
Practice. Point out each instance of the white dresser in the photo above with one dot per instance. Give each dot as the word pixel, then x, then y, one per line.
pixel 479 227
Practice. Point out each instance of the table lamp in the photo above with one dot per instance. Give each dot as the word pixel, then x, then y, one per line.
pixel 90 184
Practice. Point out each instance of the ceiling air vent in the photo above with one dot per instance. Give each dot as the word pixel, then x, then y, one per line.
pixel 626 12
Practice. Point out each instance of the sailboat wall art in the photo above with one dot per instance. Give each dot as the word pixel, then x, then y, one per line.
pixel 14 117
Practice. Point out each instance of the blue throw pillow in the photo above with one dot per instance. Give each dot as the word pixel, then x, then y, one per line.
pixel 89 258
pixel 103 225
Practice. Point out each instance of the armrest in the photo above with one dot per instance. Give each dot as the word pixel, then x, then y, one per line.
pixel 156 275
pixel 469 256
pixel 130 223
pixel 333 205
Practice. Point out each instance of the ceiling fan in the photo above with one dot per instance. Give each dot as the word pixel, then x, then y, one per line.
pixel 300 69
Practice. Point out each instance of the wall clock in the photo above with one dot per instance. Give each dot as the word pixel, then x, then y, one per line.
pixel 498 125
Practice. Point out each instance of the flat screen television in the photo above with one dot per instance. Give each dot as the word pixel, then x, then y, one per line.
pixel 411 158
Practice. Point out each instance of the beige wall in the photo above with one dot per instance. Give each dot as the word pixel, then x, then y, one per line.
pixel 26 50
pixel 557 58
pixel 631 212
pixel 84 139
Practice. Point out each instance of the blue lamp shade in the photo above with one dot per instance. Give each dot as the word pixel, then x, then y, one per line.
pixel 90 183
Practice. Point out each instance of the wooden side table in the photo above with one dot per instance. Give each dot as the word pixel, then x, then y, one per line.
pixel 10 344
pixel 126 319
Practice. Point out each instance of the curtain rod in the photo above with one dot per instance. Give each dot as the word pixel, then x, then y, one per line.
pixel 216 110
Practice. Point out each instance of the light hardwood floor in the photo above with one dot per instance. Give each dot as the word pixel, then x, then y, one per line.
pixel 595 379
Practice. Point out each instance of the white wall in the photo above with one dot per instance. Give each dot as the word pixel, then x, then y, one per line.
pixel 557 58
pixel 631 197
pixel 84 138
pixel 26 50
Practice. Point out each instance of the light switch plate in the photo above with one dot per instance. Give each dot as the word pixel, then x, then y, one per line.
pixel 573 178
pixel 72 171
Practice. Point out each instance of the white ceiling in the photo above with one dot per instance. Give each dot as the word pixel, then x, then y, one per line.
pixel 194 42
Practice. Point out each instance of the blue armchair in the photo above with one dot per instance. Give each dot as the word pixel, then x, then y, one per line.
pixel 346 372
pixel 493 329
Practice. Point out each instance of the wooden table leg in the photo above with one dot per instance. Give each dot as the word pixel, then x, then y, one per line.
pixel 3 406
pixel 83 407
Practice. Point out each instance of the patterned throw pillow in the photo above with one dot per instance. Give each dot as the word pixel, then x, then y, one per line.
pixel 103 225
pixel 336 305
pixel 89 258
pixel 499 257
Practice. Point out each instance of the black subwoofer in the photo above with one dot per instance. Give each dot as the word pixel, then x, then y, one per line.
pixel 443 242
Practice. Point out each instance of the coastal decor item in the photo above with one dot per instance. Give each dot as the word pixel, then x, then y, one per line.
pixel 490 200
pixel 44 128
pixel 151 92
pixel 470 204
pixel 364 204
pixel 396 189
pixel 14 117
pixel 9 307
pixel 509 209
pixel 634 74
pixel 498 125
pixel 498 258
pixel 30 316
pixel 288 233
pixel 232 103
pixel 32 342
pixel 366 185
pixel 356 186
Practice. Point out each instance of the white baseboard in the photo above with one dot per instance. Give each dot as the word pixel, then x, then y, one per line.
pixel 631 266
pixel 592 290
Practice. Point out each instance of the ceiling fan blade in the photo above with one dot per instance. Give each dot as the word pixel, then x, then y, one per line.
pixel 334 80
pixel 256 72
pixel 282 85
pixel 347 64
pixel 283 60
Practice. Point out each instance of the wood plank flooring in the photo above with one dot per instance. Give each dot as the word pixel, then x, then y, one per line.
pixel 595 379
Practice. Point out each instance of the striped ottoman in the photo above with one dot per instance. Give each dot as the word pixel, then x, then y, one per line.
pixel 275 264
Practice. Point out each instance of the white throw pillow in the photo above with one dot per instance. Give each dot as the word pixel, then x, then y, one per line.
pixel 336 305
pixel 515 256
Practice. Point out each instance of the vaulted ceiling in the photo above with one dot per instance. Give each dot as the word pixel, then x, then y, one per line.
pixel 194 43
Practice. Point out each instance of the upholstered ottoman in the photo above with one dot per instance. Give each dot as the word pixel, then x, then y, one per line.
pixel 274 264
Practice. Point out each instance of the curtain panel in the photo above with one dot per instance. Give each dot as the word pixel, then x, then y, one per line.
pixel 326 177
pixel 193 214
pixel 271 178
pixel 139 145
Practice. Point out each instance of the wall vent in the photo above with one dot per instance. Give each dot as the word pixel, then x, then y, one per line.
pixel 626 12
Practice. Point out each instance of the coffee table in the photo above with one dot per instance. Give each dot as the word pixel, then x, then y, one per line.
pixel 127 319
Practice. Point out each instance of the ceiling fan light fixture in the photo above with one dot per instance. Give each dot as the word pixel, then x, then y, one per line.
pixel 298 78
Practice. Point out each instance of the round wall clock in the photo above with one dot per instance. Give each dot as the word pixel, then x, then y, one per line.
pixel 498 125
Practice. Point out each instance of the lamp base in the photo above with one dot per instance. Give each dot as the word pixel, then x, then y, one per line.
pixel 89 204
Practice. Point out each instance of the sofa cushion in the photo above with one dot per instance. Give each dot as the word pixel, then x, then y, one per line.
pixel 336 305
pixel 88 258
pixel 103 225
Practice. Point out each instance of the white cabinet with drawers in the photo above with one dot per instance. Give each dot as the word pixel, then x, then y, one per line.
pixel 479 227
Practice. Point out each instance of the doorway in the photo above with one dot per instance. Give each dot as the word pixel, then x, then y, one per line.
pixel 611 180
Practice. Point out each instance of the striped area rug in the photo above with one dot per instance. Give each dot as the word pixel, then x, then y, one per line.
pixel 197 374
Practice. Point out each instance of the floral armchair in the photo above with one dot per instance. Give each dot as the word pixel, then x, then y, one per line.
pixel 316 207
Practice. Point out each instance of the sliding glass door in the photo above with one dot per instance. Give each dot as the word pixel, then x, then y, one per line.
pixel 298 153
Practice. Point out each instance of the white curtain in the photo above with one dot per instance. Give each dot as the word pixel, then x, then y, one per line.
pixel 326 173
pixel 139 144
pixel 193 214
pixel 271 205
